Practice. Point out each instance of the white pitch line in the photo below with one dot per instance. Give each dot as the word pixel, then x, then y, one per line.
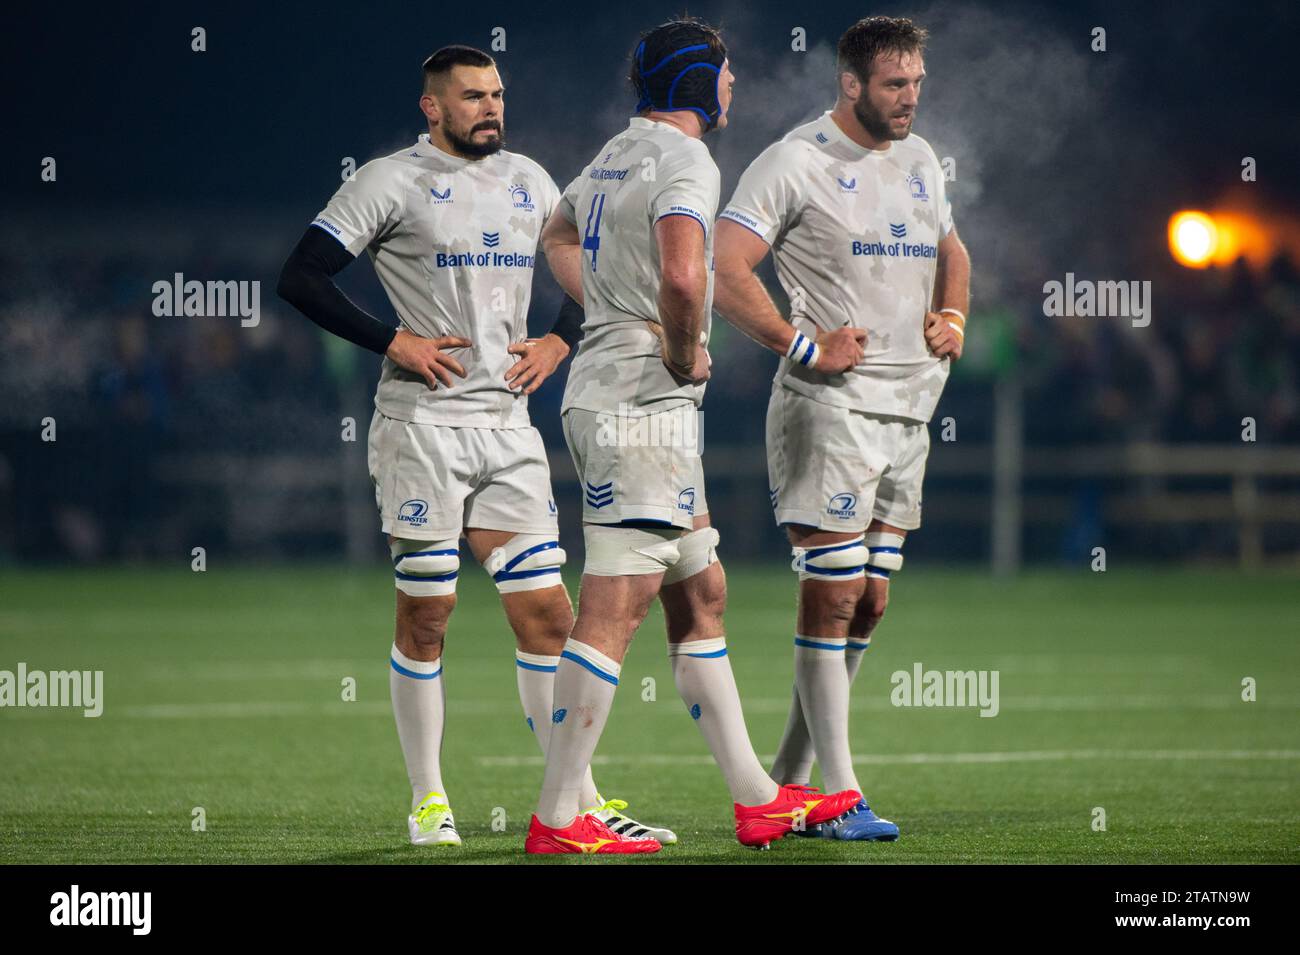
pixel 899 759
pixel 671 708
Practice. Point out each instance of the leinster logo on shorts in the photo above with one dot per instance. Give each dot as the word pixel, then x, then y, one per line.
pixel 686 501
pixel 842 505
pixel 412 512
pixel 521 198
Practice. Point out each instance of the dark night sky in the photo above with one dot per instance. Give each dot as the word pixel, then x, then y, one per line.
pixel 1066 158
pixel 132 113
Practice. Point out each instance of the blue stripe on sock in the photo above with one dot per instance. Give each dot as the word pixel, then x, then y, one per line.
pixel 412 674
pixel 539 667
pixel 607 677
pixel 707 656
pixel 813 645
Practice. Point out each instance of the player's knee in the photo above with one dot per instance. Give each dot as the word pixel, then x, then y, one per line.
pixel 425 568
pixel 526 562
pixel 840 605
pixel 556 622
pixel 547 625
pixel 870 611
pixel 697 613
pixel 830 607
pixel 422 624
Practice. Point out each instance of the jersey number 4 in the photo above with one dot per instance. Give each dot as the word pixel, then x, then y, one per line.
pixel 591 238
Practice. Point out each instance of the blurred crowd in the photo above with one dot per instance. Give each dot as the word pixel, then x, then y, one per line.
pixel 80 346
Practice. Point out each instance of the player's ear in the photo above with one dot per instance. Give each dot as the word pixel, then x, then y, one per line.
pixel 850 85
pixel 429 107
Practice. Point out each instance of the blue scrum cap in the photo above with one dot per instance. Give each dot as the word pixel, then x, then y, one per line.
pixel 676 66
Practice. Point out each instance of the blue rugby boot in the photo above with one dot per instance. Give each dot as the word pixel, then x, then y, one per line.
pixel 863 825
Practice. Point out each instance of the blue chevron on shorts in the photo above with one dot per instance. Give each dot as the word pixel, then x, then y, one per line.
pixel 598 496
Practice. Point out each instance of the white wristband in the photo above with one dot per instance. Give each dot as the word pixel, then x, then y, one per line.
pixel 803 350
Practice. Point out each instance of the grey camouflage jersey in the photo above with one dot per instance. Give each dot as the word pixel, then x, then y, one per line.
pixel 454 242
pixel 854 233
pixel 647 172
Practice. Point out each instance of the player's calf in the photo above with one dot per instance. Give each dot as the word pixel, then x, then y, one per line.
pixel 694 593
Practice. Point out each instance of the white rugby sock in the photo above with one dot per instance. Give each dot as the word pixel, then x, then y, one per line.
pixel 535 674
pixel 853 655
pixel 795 756
pixel 707 686
pixel 822 679
pixel 419 702
pixel 585 681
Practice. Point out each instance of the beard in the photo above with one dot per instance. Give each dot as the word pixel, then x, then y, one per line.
pixel 876 123
pixel 466 146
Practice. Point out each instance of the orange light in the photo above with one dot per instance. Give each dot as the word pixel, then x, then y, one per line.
pixel 1193 239
pixel 1243 235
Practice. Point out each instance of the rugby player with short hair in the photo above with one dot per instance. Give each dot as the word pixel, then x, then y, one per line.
pixel 452 224
pixel 633 243
pixel 853 208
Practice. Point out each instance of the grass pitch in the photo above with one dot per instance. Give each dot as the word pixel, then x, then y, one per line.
pixel 223 690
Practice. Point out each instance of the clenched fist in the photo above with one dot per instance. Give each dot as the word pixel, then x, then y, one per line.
pixel 942 335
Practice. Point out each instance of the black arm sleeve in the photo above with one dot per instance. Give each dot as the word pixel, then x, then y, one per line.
pixel 306 284
pixel 568 324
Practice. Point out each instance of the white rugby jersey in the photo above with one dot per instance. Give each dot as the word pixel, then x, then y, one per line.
pixel 647 172
pixel 454 242
pixel 854 233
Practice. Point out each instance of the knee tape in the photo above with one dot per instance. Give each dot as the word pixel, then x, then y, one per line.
pixel 843 561
pixel 629 551
pixel 696 552
pixel 886 554
pixel 526 562
pixel 425 568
